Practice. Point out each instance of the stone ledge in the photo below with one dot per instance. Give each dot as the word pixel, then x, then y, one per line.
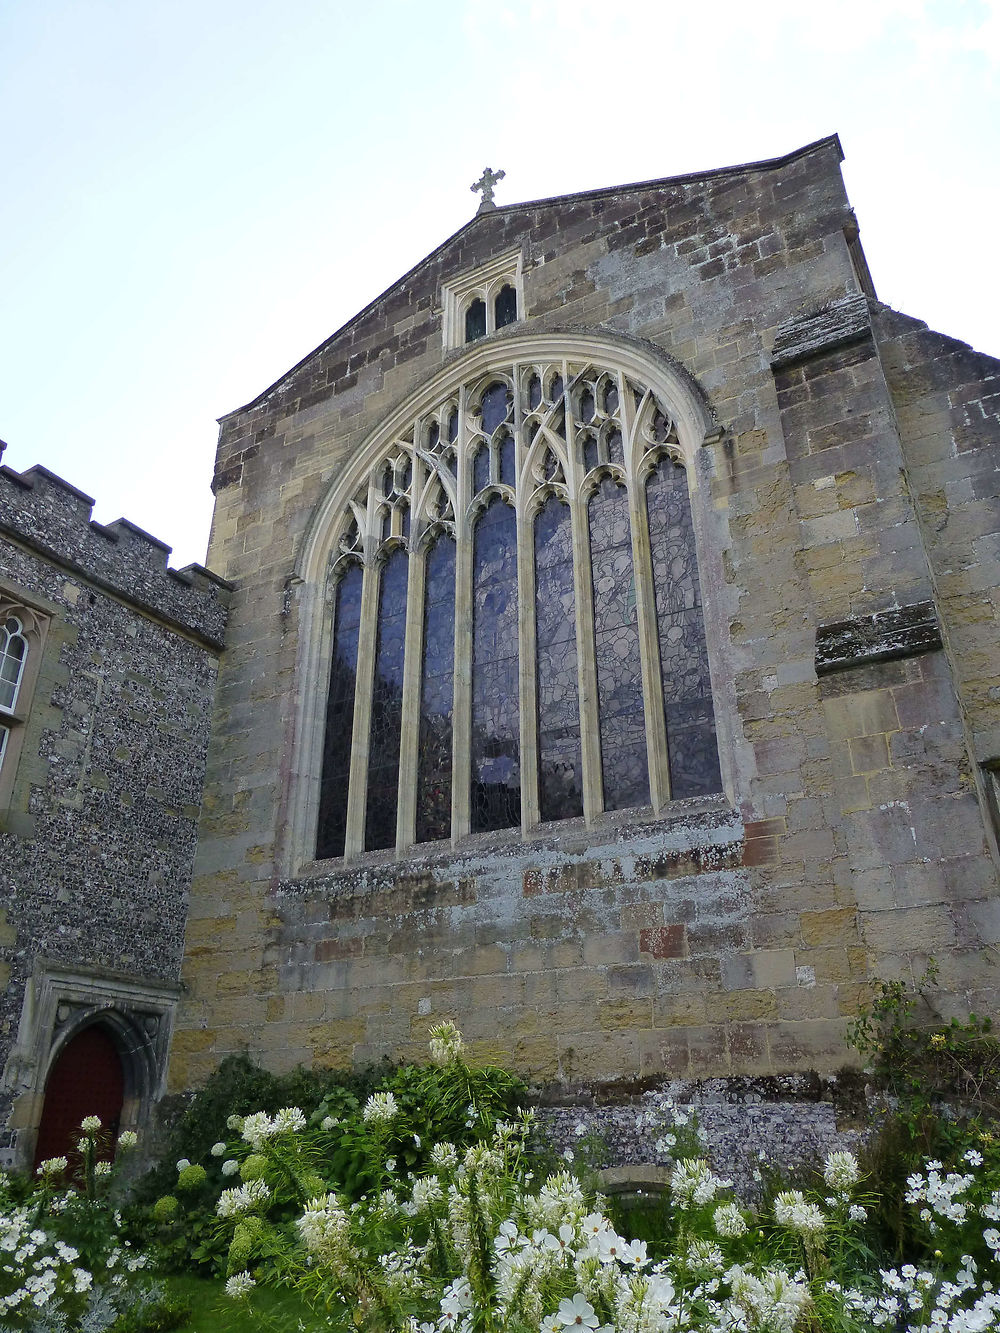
pixel 903 631
pixel 834 325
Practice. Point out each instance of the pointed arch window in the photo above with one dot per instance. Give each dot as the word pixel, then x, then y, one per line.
pixel 517 627
pixel 22 634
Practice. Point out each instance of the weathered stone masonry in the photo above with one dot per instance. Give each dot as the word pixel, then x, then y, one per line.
pixel 97 838
pixel 848 526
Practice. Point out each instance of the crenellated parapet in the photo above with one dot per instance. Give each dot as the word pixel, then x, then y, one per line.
pixel 45 513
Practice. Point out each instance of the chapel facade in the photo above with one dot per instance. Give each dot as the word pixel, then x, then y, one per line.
pixel 612 659
pixel 601 651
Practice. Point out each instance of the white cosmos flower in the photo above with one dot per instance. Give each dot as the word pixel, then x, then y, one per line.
pixel 576 1312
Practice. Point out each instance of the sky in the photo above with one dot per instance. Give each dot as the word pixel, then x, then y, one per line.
pixel 197 193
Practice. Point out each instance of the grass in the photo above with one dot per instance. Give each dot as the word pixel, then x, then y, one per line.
pixel 212 1311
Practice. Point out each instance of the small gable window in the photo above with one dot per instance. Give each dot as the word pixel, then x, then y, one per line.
pixel 475 320
pixel 483 300
pixel 505 306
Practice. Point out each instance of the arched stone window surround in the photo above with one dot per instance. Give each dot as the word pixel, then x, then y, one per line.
pixel 327 544
pixel 483 283
pixel 33 629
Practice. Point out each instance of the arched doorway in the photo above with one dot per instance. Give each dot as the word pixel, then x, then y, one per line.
pixel 86 1079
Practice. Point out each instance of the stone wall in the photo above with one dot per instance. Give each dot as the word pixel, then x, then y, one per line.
pixel 623 951
pixel 97 838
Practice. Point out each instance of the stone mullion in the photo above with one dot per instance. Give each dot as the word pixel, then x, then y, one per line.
pixel 586 658
pixel 649 643
pixel 461 763
pixel 409 741
pixel 357 791
pixel 527 667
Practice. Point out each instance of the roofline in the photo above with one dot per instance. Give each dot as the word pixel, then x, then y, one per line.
pixel 766 164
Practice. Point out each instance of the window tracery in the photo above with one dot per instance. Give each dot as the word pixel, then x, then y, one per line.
pixel 518 632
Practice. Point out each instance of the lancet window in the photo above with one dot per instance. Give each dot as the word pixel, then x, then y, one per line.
pixel 517 629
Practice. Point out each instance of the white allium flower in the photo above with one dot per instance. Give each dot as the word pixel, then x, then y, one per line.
pixel 841 1171
pixel 90 1124
pixel 127 1139
pixel 240 1285
pixel 446 1043
pixel 218 1149
pixel 230 1167
pixel 182 1163
pixel 380 1106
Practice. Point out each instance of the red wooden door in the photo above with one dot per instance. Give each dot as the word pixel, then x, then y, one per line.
pixel 86 1079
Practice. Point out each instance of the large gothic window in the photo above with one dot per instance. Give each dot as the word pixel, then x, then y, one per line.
pixel 517 629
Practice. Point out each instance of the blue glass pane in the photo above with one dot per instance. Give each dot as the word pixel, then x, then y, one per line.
pixel 475 321
pixel 339 718
pixel 616 451
pixel 586 406
pixel 534 392
pixel 616 641
pixel 494 409
pixel 560 769
pixel 481 469
pixel 687 691
pixel 590 452
pixel 508 466
pixel 437 695
pixel 496 762
pixel 611 399
pixel 452 427
pixel 506 306
pixel 387 706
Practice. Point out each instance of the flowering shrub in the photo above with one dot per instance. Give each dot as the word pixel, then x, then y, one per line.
pixel 63 1258
pixel 472 1242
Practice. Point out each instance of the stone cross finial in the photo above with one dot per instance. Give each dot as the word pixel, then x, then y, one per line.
pixel 486 183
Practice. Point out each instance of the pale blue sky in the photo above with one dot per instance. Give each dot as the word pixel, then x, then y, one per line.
pixel 196 194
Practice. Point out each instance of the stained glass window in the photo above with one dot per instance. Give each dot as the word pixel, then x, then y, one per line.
pixel 437 695
pixel 523 481
pixel 496 763
pixel 387 706
pixel 560 769
pixel 330 840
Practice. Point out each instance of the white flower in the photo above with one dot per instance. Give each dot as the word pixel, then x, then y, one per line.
pixel 324 1227
pixel 576 1312
pixel 183 1163
pixel 52 1166
pixel 568 1154
pixel 234 1202
pixel 329 1121
pixel 729 1220
pixel 230 1167
pixel 240 1285
pixel 973 1157
pixel 235 1122
pixel 841 1171
pixel 692 1182
pixel 380 1106
pixel 457 1298
pixel 288 1118
pixel 218 1149
pixel 445 1043
pixel 256 1128
pixel 443 1155
pixel 579 1129
pixel 102 1169
pixel 90 1124
pixel 792 1210
pixel 127 1139
pixel 856 1213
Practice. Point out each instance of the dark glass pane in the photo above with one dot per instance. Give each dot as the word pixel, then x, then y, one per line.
pixel 404 510
pixel 436 695
pixel 687 691
pixel 494 409
pixel 453 428
pixel 662 427
pixel 387 479
pixel 560 768
pixel 590 456
pixel 386 526
pixel 555 392
pixel 387 706
pixel 586 406
pixel 552 469
pixel 506 306
pixel 475 321
pixel 496 770
pixel 433 435
pixel 405 477
pixel 616 642
pixel 508 465
pixel 332 828
pixel 481 469
pixel 616 452
pixel 534 392
pixel 611 399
